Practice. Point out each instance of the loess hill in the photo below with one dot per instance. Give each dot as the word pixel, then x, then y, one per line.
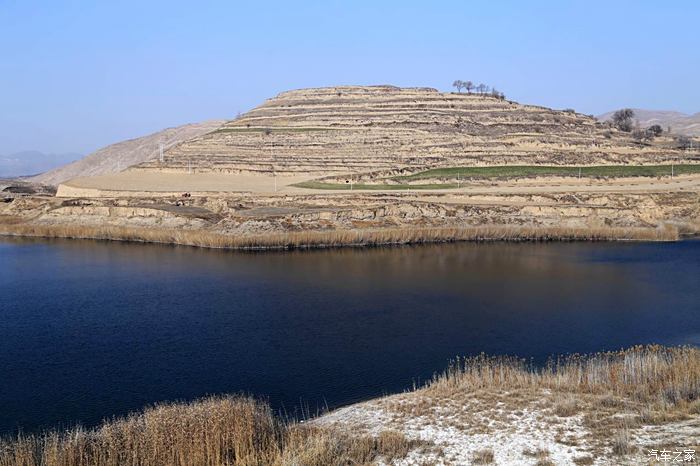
pixel 368 129
pixel 117 157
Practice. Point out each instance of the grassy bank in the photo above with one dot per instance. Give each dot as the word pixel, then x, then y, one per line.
pixel 515 171
pixel 656 375
pixel 243 431
pixel 338 238
pixel 455 175
pixel 373 187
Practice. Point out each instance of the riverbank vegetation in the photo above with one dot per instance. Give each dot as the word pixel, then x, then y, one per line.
pixel 337 238
pixel 233 430
pixel 227 430
pixel 657 375
pixel 455 177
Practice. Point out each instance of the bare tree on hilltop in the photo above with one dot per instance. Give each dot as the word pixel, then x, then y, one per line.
pixel 623 119
pixel 482 89
pixel 497 95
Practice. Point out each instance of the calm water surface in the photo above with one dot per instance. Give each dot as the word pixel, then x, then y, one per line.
pixel 89 329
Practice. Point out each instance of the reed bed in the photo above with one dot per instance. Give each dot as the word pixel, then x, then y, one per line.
pixel 210 432
pixel 338 238
pixel 657 375
pixel 234 430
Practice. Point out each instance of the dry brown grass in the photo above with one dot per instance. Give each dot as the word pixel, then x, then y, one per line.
pixel 213 431
pixel 584 460
pixel 484 456
pixel 622 443
pixel 566 406
pixel 242 431
pixel 336 238
pixel 656 375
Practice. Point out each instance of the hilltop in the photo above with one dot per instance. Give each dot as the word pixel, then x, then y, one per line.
pixel 679 123
pixel 120 156
pixel 363 129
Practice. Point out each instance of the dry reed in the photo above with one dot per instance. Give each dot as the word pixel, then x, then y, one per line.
pixel 242 431
pixel 651 374
pixel 211 432
pixel 337 238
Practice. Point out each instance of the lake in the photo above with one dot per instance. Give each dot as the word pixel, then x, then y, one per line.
pixel 92 329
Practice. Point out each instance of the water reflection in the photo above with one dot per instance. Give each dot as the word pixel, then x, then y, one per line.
pixel 91 329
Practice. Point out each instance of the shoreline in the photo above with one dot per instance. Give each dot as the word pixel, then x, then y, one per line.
pixel 358 238
pixel 579 409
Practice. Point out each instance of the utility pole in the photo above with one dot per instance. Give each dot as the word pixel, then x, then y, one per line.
pixel 160 144
pixel 579 173
pixel 189 166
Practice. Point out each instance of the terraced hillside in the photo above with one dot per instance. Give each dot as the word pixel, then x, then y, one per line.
pixel 386 129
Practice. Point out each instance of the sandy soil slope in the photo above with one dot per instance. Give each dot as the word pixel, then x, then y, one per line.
pixel 117 157
pixel 131 183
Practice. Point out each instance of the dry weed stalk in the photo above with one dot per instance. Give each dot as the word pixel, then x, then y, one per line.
pixel 242 431
pixel 336 238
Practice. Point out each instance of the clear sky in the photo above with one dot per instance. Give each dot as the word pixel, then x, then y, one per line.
pixel 75 76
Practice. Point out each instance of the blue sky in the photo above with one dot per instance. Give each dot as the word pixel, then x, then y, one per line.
pixel 75 76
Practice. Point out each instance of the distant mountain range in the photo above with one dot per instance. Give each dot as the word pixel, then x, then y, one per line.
pixel 680 123
pixel 31 162
pixel 122 155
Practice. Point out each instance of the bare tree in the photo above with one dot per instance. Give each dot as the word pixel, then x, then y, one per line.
pixel 623 119
pixel 656 130
pixel 641 135
pixel 480 88
pixel 683 142
pixel 459 84
pixel 469 86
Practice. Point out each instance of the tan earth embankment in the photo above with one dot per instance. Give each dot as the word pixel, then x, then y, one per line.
pixel 144 184
pixel 301 220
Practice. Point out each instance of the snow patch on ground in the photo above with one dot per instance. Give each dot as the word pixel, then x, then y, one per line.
pixel 509 433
